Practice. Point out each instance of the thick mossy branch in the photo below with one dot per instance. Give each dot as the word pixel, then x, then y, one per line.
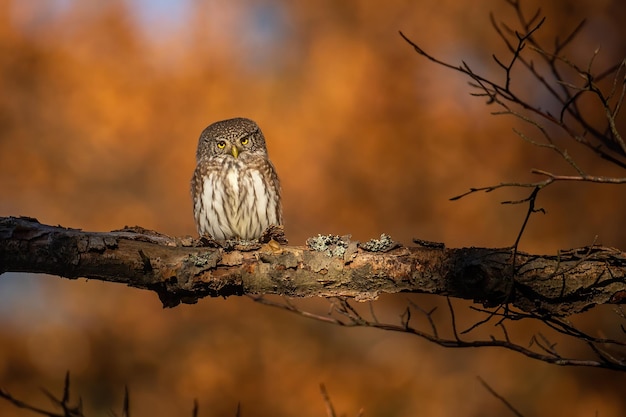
pixel 178 271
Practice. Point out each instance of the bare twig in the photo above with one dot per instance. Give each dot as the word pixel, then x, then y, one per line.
pixel 63 403
pixel 330 410
pixel 606 143
pixel 503 400
pixel 540 348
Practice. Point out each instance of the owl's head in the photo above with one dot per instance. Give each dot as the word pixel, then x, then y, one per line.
pixel 231 138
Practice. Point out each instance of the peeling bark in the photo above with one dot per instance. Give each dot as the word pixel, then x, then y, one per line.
pixel 180 271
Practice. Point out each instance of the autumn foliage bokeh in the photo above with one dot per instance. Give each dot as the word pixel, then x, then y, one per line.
pixel 100 113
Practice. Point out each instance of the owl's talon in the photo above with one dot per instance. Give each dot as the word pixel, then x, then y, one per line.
pixel 275 233
pixel 208 241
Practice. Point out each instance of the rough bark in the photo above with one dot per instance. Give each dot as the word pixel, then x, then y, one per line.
pixel 180 271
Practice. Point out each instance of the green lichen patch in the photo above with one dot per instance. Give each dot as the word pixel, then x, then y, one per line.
pixel 384 244
pixel 331 245
pixel 208 259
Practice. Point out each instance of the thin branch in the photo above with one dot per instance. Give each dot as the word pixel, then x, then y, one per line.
pixel 195 410
pixel 428 315
pixel 547 351
pixel 490 315
pixel 584 178
pixel 453 320
pixel 541 184
pixel 23 405
pixel 503 400
pixel 531 209
pixel 126 403
pixel 330 410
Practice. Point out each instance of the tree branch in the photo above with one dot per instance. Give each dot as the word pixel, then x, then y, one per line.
pixel 539 347
pixel 563 284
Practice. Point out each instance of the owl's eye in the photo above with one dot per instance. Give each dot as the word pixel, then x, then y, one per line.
pixel 245 141
pixel 221 144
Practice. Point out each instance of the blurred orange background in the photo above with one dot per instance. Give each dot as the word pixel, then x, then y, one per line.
pixel 102 104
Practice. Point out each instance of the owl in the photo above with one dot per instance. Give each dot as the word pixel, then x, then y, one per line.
pixel 235 189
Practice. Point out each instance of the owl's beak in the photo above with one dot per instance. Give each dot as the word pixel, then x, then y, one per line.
pixel 235 151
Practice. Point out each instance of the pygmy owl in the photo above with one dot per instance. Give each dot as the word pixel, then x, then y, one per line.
pixel 235 189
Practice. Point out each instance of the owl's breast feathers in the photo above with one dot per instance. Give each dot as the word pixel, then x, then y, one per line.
pixel 236 197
